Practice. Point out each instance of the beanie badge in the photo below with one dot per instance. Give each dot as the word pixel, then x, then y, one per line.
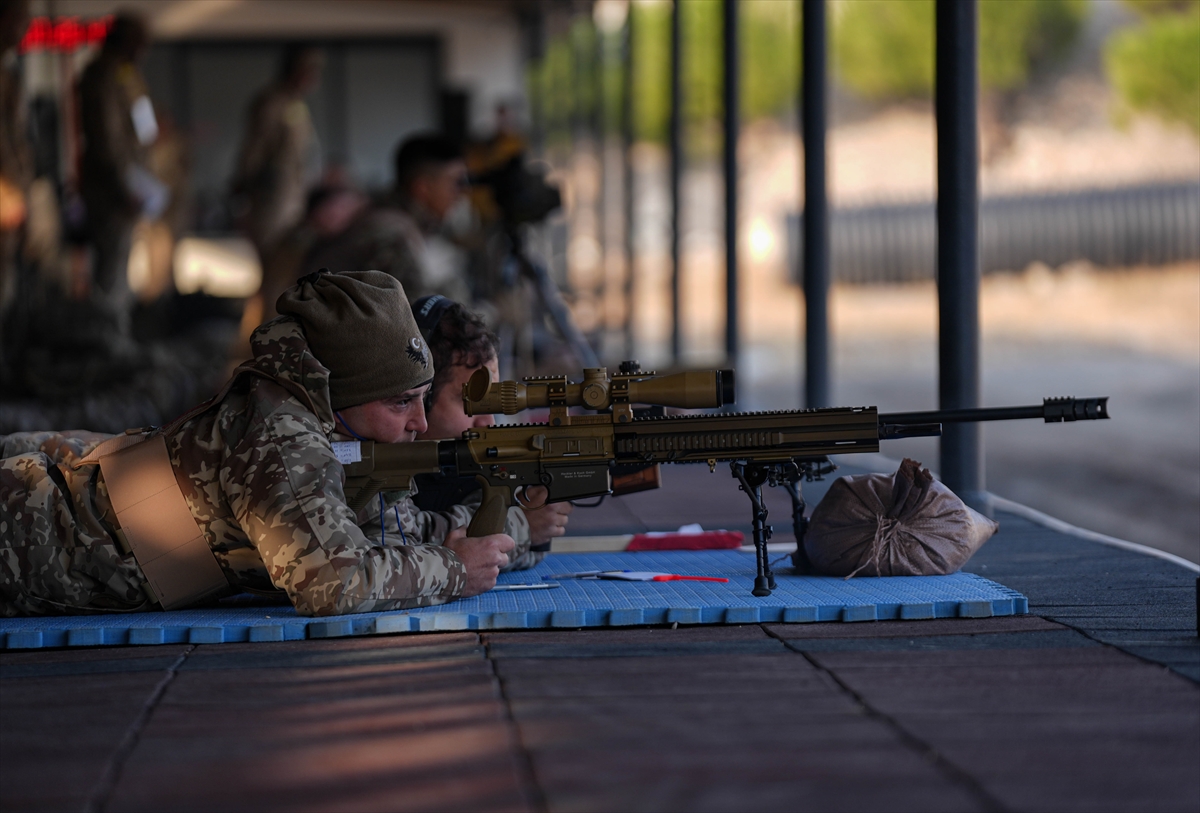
pixel 416 351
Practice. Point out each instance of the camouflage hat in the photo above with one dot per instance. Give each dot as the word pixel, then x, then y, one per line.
pixel 360 326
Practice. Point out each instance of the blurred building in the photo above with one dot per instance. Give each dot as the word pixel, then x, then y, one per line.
pixel 392 68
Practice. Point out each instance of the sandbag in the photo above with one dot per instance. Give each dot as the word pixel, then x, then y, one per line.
pixel 903 524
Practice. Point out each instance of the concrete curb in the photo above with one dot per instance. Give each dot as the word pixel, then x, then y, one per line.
pixel 1047 521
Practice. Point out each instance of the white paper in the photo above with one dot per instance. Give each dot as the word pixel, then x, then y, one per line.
pixel 144 122
pixel 686 530
pixel 347 451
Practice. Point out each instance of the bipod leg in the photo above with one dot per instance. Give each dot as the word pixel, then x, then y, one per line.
pixel 799 523
pixel 752 478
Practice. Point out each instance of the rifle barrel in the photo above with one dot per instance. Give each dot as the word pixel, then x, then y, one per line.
pixel 1052 410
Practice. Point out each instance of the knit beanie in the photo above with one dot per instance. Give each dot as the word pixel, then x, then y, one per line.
pixel 360 326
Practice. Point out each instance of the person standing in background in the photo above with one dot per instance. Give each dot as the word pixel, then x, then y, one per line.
pixel 277 163
pixel 16 158
pixel 118 127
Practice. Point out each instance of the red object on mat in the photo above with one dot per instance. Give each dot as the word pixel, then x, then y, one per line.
pixel 706 540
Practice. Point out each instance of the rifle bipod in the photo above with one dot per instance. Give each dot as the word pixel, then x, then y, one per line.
pixel 787 475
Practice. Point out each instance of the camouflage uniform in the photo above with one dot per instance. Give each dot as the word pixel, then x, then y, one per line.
pixel 16 170
pixel 394 239
pixel 259 475
pixel 108 89
pixel 273 167
pixel 16 175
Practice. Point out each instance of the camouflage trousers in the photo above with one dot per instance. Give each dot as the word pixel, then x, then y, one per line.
pixel 58 555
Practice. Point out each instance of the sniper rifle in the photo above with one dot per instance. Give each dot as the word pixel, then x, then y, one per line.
pixel 573 456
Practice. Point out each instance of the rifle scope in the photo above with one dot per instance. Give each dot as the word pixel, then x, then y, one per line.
pixel 696 389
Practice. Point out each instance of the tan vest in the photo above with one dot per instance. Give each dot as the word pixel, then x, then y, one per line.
pixel 155 521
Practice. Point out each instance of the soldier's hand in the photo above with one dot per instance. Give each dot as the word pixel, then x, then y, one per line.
pixel 483 557
pixel 546 520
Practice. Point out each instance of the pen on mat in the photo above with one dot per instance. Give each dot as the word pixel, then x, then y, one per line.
pixel 542 586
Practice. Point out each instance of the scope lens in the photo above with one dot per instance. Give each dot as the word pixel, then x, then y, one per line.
pixel 477 385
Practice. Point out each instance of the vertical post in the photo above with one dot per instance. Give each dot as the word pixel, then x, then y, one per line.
pixel 816 206
pixel 730 149
pixel 532 25
pixel 628 182
pixel 956 94
pixel 676 146
pixel 600 123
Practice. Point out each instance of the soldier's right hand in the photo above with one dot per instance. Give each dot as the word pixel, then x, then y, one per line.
pixel 483 557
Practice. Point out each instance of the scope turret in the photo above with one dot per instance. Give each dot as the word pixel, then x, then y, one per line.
pixel 696 389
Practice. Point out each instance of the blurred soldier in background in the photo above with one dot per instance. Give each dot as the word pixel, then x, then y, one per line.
pixel 431 177
pixel 278 158
pixel 118 127
pixel 330 209
pixel 16 158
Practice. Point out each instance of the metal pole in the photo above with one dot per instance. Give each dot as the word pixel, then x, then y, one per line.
pixel 600 123
pixel 676 125
pixel 958 246
pixel 627 182
pixel 730 147
pixel 816 207
pixel 533 24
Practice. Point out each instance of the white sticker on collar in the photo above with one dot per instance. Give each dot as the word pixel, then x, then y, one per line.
pixel 347 451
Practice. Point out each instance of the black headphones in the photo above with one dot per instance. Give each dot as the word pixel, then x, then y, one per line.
pixel 429 311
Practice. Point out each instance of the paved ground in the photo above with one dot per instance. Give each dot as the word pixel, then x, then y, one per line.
pixel 1089 703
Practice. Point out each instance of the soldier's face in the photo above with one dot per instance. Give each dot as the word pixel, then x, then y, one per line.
pixel 440 189
pixel 391 420
pixel 447 419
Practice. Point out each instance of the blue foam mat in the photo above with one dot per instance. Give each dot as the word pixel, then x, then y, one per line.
pixel 576 603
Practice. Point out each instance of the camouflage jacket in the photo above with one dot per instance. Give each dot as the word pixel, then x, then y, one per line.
pixel 258 472
pixel 260 476
pixel 108 89
pixel 276 163
pixel 394 238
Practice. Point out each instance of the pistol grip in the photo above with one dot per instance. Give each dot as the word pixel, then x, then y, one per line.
pixel 493 511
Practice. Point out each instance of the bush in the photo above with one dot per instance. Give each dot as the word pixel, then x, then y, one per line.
pixel 884 49
pixel 769 42
pixel 1155 66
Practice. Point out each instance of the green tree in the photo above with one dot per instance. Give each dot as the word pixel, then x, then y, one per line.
pixel 1155 65
pixel 769 42
pixel 884 49
pixel 562 82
